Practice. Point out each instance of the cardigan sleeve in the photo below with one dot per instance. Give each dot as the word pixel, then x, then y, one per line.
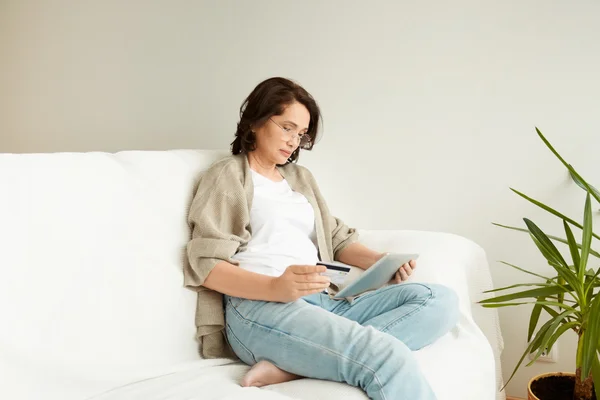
pixel 341 235
pixel 220 218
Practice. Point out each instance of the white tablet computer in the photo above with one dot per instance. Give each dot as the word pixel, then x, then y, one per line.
pixel 377 275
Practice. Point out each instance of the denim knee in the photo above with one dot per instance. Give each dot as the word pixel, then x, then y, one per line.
pixel 411 292
pixel 446 305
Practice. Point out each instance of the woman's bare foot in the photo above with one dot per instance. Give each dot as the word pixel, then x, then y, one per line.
pixel 264 373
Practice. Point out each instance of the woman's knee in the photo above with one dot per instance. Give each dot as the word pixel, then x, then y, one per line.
pixel 441 301
pixel 412 292
pixel 445 304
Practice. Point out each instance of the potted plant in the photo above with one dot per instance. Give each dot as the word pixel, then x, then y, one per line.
pixel 568 297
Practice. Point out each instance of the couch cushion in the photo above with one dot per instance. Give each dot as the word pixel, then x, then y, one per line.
pixel 91 284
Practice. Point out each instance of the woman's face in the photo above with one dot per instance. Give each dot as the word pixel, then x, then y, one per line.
pixel 279 137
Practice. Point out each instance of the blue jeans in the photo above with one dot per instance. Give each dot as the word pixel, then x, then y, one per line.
pixel 367 343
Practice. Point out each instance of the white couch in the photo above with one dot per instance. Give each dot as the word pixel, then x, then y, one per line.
pixel 92 303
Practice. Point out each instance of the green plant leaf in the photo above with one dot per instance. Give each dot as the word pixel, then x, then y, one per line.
pixel 547 247
pixel 539 292
pixel 574 250
pixel 556 321
pixel 554 337
pixel 528 350
pixel 590 337
pixel 547 303
pixel 596 375
pixel 546 252
pixel 552 211
pixel 593 282
pixel 554 257
pixel 498 305
pixel 550 311
pixel 519 285
pixel 584 185
pixel 562 329
pixel 555 238
pixel 576 177
pixel 533 320
pixel 537 340
pixel 561 281
pixel 576 318
pixel 589 272
pixel 562 299
pixel 560 305
pixel 586 240
pixel 524 270
pixel 547 143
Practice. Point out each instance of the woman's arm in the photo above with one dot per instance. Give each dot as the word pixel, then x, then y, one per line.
pixel 297 281
pixel 358 255
pixel 234 281
pixel 361 256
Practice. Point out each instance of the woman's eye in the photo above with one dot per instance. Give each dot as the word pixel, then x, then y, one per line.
pixel 287 129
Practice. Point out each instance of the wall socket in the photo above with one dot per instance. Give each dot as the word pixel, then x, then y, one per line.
pixel 548 357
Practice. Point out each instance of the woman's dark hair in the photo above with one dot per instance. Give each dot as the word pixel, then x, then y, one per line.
pixel 269 98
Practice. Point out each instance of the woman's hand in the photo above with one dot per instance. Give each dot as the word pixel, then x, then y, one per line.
pixel 404 272
pixel 298 281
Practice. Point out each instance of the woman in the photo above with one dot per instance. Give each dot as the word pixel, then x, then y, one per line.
pixel 260 224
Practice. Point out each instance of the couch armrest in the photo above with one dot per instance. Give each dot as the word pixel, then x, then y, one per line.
pixel 451 260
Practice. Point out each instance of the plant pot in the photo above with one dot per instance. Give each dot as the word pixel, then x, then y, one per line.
pixel 552 386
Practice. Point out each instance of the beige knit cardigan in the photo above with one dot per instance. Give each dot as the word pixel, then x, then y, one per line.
pixel 220 221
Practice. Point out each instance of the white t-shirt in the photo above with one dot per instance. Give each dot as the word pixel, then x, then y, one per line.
pixel 283 229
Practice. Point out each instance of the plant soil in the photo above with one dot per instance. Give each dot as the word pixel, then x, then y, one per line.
pixel 555 388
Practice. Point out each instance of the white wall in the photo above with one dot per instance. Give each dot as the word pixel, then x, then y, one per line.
pixel 429 107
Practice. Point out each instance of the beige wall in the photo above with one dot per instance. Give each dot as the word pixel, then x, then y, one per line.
pixel 429 107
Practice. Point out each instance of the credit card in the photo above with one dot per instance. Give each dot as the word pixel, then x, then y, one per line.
pixel 337 273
